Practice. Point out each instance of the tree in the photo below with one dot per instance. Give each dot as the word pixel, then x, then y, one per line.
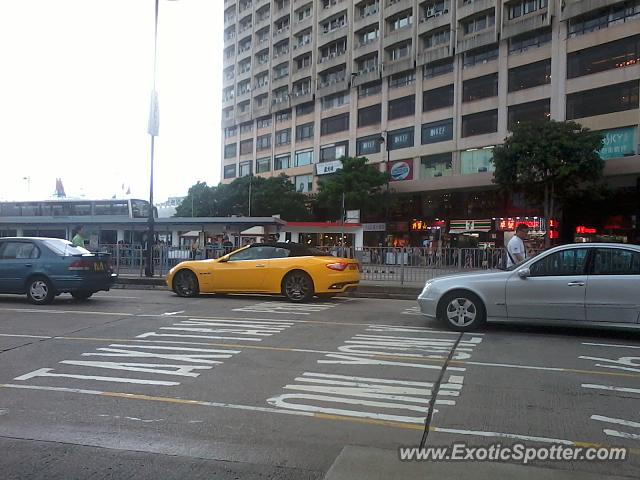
pixel 549 162
pixel 269 196
pixel 198 202
pixel 360 182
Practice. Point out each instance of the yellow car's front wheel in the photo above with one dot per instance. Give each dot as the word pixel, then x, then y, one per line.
pixel 297 286
pixel 185 284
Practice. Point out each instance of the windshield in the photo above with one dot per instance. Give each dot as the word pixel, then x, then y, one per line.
pixel 65 247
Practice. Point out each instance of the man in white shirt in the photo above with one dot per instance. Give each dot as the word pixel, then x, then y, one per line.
pixel 516 250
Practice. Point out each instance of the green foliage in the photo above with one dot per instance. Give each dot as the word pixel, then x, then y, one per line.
pixel 361 183
pixel 549 162
pixel 269 196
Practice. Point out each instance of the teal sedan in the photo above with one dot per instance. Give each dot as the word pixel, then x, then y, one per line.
pixel 42 268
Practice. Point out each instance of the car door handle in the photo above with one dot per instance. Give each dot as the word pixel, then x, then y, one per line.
pixel 576 284
pixel 260 265
pixel 28 265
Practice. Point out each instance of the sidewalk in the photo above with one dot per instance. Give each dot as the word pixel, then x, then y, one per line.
pixel 367 288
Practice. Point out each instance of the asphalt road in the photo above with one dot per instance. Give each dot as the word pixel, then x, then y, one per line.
pixel 143 384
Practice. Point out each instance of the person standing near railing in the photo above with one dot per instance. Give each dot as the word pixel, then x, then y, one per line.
pixel 516 250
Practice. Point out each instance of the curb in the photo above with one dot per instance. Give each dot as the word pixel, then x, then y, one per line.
pixel 363 291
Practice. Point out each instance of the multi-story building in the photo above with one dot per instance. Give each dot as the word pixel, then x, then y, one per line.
pixel 426 88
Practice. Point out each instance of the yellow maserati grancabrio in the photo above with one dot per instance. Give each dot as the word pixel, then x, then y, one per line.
pixel 293 270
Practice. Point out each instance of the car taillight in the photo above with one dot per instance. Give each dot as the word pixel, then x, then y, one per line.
pixel 80 265
pixel 340 266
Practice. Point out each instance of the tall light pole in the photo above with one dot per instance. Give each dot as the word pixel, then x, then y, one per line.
pixel 385 139
pixel 153 129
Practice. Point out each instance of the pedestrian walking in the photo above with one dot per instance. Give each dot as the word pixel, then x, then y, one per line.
pixel 78 238
pixel 516 250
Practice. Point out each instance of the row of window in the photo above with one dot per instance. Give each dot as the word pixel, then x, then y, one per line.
pixel 598 101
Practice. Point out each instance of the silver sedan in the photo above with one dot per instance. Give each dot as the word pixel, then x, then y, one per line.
pixel 577 284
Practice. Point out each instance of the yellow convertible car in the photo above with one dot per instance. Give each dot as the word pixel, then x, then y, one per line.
pixel 296 271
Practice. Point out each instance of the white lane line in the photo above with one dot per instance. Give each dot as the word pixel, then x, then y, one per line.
pixel 507 365
pixel 66 312
pixel 135 396
pixel 173 313
pixel 610 345
pixel 23 336
pixel 611 388
pixel 515 436
pixel 116 296
pixel 191 317
pixel 617 421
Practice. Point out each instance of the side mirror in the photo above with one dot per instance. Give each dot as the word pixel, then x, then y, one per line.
pixel 524 273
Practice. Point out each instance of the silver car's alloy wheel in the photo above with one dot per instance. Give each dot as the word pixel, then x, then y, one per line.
pixel 39 290
pixel 461 312
pixel 297 287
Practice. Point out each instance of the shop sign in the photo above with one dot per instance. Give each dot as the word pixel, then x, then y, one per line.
pixel 510 224
pixel 462 226
pixel 328 167
pixel 421 225
pixel 401 170
pixel 582 230
pixel 619 142
pixel 374 227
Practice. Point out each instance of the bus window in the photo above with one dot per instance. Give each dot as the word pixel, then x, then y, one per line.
pixel 79 208
pixel 139 208
pixel 30 210
pixel 10 210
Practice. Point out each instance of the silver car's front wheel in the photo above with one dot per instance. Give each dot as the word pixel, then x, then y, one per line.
pixel 462 311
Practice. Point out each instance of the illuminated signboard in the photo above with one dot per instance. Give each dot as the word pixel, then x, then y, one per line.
pixel 510 224
pixel 421 225
pixel 581 229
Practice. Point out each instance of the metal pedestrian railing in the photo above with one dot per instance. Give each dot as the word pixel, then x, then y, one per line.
pixel 396 265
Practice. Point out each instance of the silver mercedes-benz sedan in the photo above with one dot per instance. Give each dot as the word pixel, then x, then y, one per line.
pixel 578 284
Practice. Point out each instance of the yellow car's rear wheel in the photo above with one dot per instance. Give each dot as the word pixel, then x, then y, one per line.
pixel 297 286
pixel 185 284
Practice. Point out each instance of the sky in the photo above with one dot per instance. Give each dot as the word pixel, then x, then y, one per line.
pixel 75 90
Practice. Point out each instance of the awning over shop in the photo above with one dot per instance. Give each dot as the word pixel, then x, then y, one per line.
pixel 470 226
pixel 258 231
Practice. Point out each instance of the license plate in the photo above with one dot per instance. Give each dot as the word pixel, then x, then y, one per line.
pixel 99 267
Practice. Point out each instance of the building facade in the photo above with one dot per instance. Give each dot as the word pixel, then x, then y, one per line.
pixel 425 88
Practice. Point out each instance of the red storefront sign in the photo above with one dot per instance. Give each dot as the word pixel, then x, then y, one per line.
pixel 582 230
pixel 510 224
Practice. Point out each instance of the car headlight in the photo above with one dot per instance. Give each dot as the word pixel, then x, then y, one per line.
pixel 427 286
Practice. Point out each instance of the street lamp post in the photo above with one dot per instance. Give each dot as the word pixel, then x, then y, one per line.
pixel 153 128
pixel 385 139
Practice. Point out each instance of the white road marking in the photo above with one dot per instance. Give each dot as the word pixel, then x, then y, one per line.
pixel 163 369
pixel 610 345
pixel 195 402
pixel 514 436
pixel 193 355
pixel 412 311
pixel 173 313
pixel 617 421
pixel 456 379
pixel 286 308
pixel 363 359
pixel 215 337
pixel 44 372
pixel 615 433
pixel 116 296
pixel 282 402
pixel 23 336
pixel 611 388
